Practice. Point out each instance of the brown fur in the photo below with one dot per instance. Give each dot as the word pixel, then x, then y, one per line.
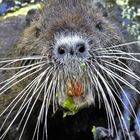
pixel 64 16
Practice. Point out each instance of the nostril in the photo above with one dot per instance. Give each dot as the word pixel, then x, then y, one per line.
pixel 61 50
pixel 81 48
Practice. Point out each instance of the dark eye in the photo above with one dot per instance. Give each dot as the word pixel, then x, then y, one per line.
pixel 61 50
pixel 99 26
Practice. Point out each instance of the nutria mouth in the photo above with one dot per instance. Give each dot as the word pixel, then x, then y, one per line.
pixel 71 56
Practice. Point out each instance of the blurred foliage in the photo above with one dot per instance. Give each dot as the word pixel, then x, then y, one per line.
pixel 131 16
pixel 14 6
pixel 21 11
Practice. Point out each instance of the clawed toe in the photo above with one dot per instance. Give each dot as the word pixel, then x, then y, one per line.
pixel 103 134
pixel 135 135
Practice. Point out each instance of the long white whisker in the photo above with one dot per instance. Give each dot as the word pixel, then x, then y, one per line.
pixel 20 109
pixel 119 68
pixel 19 67
pixel 36 79
pixel 122 53
pixel 5 60
pixel 46 93
pixel 92 79
pixel 111 96
pixel 20 73
pixel 23 91
pixel 117 46
pixel 111 73
pixel 50 94
pixel 20 79
pixel 34 92
pixel 20 93
pixel 107 106
pixel 119 57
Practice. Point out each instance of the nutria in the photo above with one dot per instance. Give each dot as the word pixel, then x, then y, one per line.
pixel 74 71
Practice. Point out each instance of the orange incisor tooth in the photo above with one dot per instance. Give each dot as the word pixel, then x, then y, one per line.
pixel 74 88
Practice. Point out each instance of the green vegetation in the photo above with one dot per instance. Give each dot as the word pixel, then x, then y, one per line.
pixel 131 16
pixel 69 104
pixel 93 130
pixel 22 11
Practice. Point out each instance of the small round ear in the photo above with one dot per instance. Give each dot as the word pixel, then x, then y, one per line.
pixel 102 8
pixel 31 15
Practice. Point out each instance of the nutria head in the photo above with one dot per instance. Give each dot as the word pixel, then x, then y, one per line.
pixel 69 36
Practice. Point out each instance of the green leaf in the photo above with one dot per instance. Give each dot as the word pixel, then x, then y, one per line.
pixel 82 65
pixel 93 130
pixel 69 104
pixel 128 118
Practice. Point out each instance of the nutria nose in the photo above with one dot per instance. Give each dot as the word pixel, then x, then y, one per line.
pixel 77 49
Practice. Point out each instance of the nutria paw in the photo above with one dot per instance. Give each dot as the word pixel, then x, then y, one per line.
pixel 103 134
pixel 135 135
